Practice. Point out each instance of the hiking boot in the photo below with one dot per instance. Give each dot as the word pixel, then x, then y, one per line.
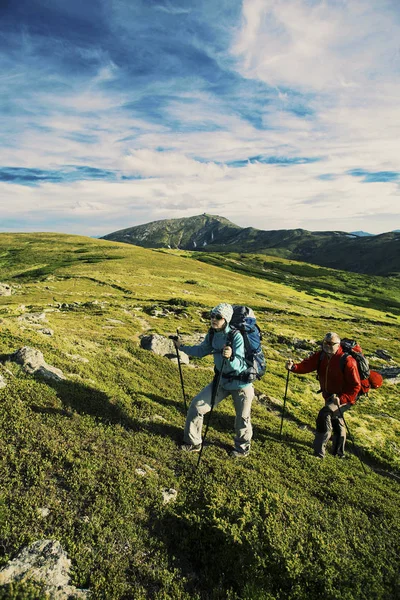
pixel 191 447
pixel 239 453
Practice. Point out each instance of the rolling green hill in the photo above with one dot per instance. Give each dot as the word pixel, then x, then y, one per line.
pixel 377 255
pixel 98 448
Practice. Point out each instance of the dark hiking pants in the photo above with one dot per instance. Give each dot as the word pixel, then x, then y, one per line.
pixel 328 421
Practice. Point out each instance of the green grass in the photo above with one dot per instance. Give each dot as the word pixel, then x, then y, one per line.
pixel 279 525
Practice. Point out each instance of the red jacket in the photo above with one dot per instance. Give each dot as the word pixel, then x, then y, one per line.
pixel 345 384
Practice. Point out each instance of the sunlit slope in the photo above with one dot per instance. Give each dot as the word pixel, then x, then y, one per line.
pixel 80 447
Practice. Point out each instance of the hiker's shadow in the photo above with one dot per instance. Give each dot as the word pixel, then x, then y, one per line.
pixel 84 399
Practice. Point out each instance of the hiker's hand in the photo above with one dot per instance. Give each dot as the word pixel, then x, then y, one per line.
pixel 289 365
pixel 335 400
pixel 176 340
pixel 227 352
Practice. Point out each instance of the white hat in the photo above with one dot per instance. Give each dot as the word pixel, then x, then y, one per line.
pixel 223 309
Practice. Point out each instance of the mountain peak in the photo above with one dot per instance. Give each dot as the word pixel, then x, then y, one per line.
pixel 356 251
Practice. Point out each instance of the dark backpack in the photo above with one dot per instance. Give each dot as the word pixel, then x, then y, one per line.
pixel 369 379
pixel 244 321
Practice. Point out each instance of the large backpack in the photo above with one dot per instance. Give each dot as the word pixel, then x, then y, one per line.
pixel 369 379
pixel 244 321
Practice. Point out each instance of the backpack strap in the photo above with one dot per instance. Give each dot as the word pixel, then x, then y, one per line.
pixel 229 337
pixel 320 357
pixel 343 360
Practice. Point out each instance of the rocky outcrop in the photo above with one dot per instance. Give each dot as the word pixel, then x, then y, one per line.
pixel 33 318
pixel 163 347
pixel 3 382
pixel 390 374
pixel 297 343
pixel 5 290
pixel 32 361
pixel 44 561
pixel 380 353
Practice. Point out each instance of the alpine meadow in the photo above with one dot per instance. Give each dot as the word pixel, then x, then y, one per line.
pixel 91 457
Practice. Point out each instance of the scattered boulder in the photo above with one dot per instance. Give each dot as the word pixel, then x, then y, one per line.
pixel 383 354
pixel 390 374
pixel 269 402
pixel 34 318
pixel 47 331
pixel 182 357
pixel 32 361
pixel 296 343
pixel 158 344
pixel 77 357
pixel 169 495
pixel 44 561
pixel 5 290
pixel 162 346
pixel 3 382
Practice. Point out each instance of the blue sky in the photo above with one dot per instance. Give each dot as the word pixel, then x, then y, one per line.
pixel 275 114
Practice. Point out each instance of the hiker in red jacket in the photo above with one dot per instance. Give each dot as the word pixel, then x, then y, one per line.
pixel 339 388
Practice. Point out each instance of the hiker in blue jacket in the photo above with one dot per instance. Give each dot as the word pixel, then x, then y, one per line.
pixel 242 393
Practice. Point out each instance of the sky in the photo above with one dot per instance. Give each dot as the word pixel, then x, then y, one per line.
pixel 276 114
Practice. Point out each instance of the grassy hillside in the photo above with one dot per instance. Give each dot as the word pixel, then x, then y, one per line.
pixel 382 293
pixel 98 449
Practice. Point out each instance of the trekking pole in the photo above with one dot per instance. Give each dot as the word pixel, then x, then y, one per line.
pixel 352 440
pixel 172 337
pixel 284 402
pixel 216 382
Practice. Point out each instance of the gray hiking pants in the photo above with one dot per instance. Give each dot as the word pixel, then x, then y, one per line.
pixel 328 421
pixel 201 405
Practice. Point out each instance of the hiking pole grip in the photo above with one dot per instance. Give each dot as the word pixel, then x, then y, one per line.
pixel 216 382
pixel 284 403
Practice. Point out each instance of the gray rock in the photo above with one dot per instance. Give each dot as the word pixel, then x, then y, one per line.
pixel 3 382
pixel 33 317
pixel 32 361
pixel 141 472
pixel 391 375
pixel 44 561
pixel 296 343
pixel 169 495
pixel 182 357
pixel 47 331
pixel 383 354
pixel 389 372
pixel 158 344
pixel 77 357
pixel 5 290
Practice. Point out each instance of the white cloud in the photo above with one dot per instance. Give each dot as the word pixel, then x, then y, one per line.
pixel 317 45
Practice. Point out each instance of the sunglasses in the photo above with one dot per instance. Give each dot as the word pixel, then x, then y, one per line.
pixel 330 343
pixel 218 317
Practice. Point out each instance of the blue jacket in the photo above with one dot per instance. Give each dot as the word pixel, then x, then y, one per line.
pixel 235 366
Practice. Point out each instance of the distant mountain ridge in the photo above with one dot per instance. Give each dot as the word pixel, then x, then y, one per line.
pixel 361 233
pixel 372 254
